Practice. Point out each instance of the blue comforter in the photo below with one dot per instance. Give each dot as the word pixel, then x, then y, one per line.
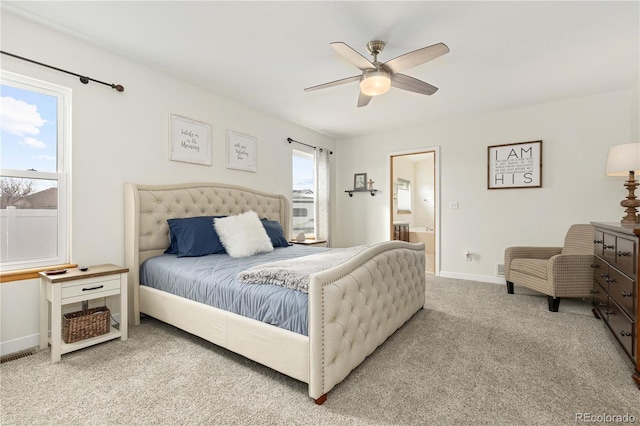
pixel 213 280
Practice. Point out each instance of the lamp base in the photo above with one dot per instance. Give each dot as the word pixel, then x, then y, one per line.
pixel 631 202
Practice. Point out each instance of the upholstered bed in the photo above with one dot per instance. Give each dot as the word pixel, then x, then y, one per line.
pixel 352 307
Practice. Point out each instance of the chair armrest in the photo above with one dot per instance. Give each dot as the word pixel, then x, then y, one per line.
pixel 529 253
pixel 573 270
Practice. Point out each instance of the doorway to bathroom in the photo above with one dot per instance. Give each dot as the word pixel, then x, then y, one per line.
pixel 414 201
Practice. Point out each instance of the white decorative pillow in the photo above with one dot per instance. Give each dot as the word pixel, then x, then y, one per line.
pixel 243 235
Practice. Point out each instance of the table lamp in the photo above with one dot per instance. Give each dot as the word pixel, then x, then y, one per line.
pixel 624 160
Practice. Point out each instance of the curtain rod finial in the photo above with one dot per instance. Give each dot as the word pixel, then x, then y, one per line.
pixel 118 87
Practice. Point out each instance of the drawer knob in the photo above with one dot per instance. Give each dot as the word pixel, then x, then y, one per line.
pixel 625 294
pixel 606 247
pixel 603 305
pixel 624 333
pixel 595 266
pixel 597 241
pixel 608 312
pixel 623 253
pixel 92 288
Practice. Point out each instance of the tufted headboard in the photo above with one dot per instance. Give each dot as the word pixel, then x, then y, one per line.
pixel 147 208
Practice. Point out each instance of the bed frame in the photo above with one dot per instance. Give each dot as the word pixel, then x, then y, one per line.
pixel 353 307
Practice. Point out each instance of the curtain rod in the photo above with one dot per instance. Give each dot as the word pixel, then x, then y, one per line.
pixel 310 146
pixel 83 79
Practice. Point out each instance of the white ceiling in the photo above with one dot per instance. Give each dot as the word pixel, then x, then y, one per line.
pixel 504 54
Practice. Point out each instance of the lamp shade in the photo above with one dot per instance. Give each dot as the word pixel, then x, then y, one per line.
pixel 375 83
pixel 623 159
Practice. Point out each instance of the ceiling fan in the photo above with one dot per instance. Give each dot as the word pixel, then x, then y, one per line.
pixel 377 78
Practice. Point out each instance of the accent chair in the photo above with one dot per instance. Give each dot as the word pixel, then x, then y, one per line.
pixel 555 271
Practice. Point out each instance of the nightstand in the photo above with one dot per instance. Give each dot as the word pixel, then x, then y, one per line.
pixel 79 286
pixel 315 243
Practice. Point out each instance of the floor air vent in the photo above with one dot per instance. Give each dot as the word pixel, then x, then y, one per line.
pixel 17 355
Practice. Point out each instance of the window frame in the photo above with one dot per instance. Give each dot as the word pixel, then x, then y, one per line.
pixel 63 169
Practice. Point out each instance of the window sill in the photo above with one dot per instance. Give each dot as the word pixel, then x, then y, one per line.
pixel 29 274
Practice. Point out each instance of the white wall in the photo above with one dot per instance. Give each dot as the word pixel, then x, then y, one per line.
pixel 576 135
pixel 123 137
pixel 635 112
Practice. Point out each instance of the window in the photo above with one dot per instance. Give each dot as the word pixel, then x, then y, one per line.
pixel 35 136
pixel 303 196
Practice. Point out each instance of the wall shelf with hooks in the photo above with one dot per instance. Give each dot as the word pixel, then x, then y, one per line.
pixel 371 191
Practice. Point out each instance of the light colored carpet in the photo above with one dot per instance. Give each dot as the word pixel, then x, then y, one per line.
pixel 474 355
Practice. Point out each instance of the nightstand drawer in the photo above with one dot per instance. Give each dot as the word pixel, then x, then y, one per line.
pixel 90 288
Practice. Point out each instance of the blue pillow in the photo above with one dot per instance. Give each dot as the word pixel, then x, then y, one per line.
pixel 194 236
pixel 275 233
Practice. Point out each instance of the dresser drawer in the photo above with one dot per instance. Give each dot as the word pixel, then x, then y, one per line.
pixel 600 272
pixel 623 290
pixel 598 243
pixel 622 328
pixel 600 299
pixel 91 288
pixel 609 247
pixel 626 251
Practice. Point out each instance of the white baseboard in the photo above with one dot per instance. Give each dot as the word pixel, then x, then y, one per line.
pixel 20 344
pixel 470 277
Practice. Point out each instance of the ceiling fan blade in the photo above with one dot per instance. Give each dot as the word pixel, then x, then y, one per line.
pixel 415 58
pixel 363 100
pixel 333 83
pixel 411 84
pixel 352 56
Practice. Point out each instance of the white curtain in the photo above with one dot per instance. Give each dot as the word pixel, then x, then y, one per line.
pixel 322 194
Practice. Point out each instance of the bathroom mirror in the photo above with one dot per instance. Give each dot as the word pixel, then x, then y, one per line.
pixel 404 196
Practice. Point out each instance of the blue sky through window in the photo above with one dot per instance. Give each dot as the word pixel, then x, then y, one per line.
pixel 302 172
pixel 28 124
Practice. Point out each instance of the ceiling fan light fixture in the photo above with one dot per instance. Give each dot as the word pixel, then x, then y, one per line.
pixel 375 83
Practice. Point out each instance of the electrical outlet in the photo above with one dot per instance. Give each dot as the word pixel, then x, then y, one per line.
pixel 454 205
pixel 467 256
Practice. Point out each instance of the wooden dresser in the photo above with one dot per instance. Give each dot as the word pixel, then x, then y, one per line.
pixel 616 296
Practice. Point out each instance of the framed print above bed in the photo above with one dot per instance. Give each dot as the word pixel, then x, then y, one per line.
pixel 189 140
pixel 241 152
pixel 515 165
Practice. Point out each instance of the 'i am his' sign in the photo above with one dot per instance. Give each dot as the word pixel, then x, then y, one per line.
pixel 516 165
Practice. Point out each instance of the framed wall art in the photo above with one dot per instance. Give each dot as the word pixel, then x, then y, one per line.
pixel 515 165
pixel 241 152
pixel 360 182
pixel 189 140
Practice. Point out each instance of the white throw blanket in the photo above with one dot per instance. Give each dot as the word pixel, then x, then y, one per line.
pixel 294 273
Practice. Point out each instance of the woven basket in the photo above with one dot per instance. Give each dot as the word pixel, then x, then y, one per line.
pixel 84 324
